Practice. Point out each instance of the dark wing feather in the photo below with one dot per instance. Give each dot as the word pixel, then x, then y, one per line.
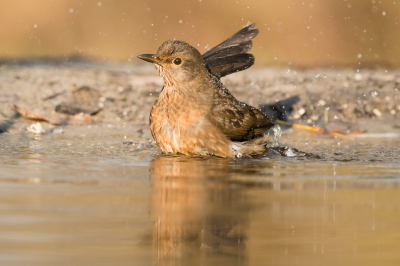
pixel 237 120
pixel 232 51
pixel 222 52
pixel 238 43
pixel 262 124
pixel 221 67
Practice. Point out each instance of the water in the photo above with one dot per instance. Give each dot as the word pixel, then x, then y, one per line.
pixel 277 135
pixel 92 197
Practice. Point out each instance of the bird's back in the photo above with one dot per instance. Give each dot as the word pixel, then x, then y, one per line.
pixel 236 120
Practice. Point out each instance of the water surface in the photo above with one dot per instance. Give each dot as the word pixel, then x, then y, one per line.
pixel 103 195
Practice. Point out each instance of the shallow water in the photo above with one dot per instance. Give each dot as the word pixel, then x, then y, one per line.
pixel 102 195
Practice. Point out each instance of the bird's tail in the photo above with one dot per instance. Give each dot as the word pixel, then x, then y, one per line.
pixel 251 148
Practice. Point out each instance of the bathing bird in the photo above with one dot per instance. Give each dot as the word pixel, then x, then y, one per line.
pixel 195 114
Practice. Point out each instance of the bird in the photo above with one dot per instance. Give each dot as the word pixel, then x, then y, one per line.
pixel 195 114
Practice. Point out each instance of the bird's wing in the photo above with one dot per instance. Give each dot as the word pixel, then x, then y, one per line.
pixel 263 122
pixel 231 55
pixel 221 67
pixel 237 120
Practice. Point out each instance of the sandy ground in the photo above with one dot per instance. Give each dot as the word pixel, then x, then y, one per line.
pixel 347 98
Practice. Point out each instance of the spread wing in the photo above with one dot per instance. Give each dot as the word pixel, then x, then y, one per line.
pixel 237 120
pixel 224 66
pixel 231 55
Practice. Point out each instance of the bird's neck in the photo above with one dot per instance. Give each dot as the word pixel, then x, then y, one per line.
pixel 200 92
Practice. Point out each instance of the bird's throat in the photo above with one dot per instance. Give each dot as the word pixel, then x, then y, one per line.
pixel 168 82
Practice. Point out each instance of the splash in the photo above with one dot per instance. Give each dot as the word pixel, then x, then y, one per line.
pixel 277 135
pixel 289 152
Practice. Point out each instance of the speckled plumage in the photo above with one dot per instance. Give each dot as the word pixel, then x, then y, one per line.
pixel 195 114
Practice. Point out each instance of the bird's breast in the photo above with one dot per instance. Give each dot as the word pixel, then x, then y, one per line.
pixel 171 119
pixel 179 125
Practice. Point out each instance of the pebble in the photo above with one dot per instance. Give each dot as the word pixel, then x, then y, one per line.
pixel 36 128
pixel 321 102
pixel 377 112
pixel 358 76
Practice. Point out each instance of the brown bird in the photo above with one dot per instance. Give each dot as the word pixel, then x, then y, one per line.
pixel 195 114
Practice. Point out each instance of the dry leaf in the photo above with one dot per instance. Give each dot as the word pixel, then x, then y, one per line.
pixel 38 117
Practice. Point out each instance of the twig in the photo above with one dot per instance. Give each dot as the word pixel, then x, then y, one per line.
pixel 315 129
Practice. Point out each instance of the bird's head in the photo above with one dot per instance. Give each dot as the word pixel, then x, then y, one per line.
pixel 177 61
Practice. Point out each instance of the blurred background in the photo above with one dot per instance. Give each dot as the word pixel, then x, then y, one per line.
pixel 304 33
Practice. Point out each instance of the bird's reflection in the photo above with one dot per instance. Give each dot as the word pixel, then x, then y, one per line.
pixel 200 216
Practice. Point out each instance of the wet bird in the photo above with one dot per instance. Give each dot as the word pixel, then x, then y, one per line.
pixel 195 114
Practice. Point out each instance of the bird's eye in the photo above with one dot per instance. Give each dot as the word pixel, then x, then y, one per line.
pixel 177 61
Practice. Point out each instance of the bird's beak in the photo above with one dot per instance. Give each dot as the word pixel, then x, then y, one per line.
pixel 149 58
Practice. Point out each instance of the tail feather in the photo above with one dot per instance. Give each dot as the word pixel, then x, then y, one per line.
pixel 253 147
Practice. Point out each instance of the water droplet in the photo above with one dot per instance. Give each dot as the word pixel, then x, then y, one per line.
pixel 289 152
pixel 180 21
pixel 99 4
pixel 71 10
pixel 317 76
pixel 336 117
pixel 306 142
